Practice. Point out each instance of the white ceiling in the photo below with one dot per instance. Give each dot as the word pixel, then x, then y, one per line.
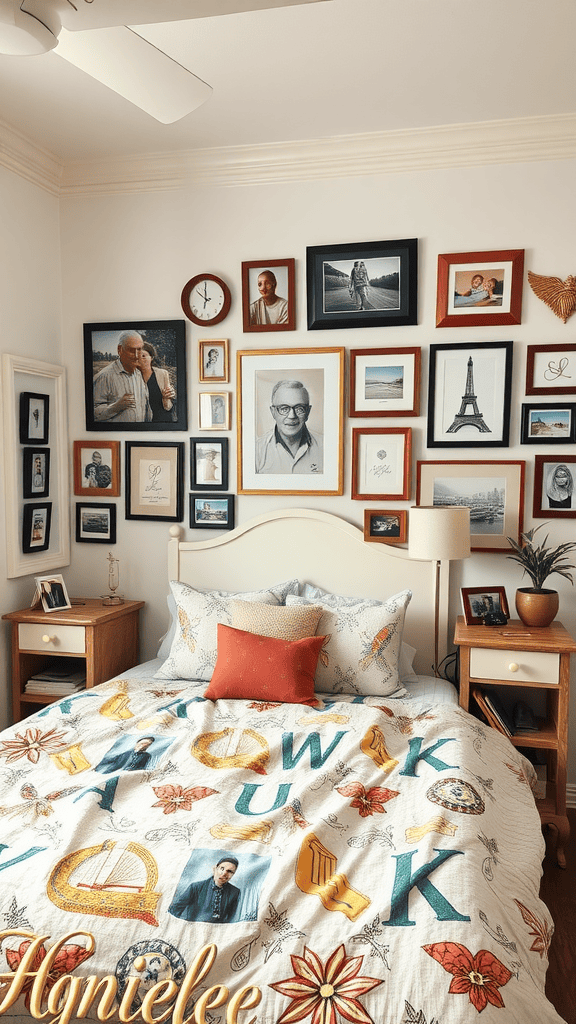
pixel 311 72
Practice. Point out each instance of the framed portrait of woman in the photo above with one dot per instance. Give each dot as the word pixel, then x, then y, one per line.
pixel 554 494
pixel 268 295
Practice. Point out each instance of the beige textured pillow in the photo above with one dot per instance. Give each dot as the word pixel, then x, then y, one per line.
pixel 276 620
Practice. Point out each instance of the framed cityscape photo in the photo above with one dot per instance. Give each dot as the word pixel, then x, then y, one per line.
pixel 209 463
pixel 95 522
pixel 381 462
pixel 469 387
pixel 385 525
pixel 384 382
pixel 212 511
pixel 477 289
pixel 269 295
pixel 362 284
pixel 35 472
pixel 548 423
pixel 554 495
pixel 494 492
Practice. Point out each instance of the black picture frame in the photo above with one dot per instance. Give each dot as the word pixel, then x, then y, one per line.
pixel 469 375
pixel 213 474
pixel 154 480
pixel 35 478
pixel 95 522
pixel 212 511
pixel 168 339
pixel 548 423
pixel 34 418
pixel 332 302
pixel 36 523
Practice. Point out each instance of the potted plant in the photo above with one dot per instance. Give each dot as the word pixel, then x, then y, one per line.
pixel 536 605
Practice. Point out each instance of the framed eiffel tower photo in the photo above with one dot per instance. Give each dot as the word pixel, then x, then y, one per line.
pixel 469 395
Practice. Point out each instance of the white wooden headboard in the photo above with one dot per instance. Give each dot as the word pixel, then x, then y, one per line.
pixel 319 548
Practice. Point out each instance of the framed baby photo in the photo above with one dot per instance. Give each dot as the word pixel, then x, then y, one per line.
pixel 209 463
pixel 554 495
pixel 95 522
pixel 97 468
pixel 214 410
pixel 384 382
pixel 212 512
pixel 34 418
pixel 548 423
pixel 213 364
pixel 385 525
pixel 269 295
pixel 485 606
pixel 362 284
pixel 35 472
pixel 477 289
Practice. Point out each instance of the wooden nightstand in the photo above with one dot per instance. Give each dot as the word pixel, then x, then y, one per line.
pixel 105 638
pixel 532 659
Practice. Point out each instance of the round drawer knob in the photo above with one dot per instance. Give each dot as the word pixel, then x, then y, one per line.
pixel 48 639
pixel 513 667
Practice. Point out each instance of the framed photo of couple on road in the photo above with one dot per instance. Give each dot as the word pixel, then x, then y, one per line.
pixel 479 289
pixel 362 284
pixel 290 421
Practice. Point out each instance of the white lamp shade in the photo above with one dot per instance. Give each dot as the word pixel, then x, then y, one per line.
pixel 438 532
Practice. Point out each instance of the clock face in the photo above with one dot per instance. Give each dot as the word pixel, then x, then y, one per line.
pixel 206 299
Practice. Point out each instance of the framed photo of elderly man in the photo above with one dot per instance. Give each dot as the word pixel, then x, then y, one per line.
pixel 268 295
pixel 362 284
pixel 554 493
pixel 135 375
pixel 290 421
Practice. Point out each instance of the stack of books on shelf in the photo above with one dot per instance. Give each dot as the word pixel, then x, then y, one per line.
pixel 520 723
pixel 63 677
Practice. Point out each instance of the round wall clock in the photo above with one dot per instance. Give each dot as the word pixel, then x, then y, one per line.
pixel 206 299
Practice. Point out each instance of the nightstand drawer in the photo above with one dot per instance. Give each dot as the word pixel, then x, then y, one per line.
pixel 34 636
pixel 517 666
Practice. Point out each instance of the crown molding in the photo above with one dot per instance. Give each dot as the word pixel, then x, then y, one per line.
pixel 444 146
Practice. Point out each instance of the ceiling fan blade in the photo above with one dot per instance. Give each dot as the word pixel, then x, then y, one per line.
pixel 131 66
pixel 107 13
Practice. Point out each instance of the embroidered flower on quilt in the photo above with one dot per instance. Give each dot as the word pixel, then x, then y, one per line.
pixel 480 976
pixel 32 744
pixel 540 929
pixel 368 801
pixel 175 798
pixel 320 991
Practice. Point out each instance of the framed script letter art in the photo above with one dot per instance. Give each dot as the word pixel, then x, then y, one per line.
pixel 477 289
pixel 381 463
pixel 469 395
pixel 551 369
pixel 154 480
pixel 290 421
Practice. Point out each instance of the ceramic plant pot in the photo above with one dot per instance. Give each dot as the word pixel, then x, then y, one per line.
pixel 536 607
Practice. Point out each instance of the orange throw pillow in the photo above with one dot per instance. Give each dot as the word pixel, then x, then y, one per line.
pixel 253 667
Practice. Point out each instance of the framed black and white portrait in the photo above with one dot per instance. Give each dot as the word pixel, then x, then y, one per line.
pixel 554 495
pixel 209 463
pixel 35 472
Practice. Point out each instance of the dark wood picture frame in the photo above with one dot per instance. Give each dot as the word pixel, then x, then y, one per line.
pixel 480 313
pixel 455 387
pixel 493 600
pixel 384 382
pixel 86 470
pixel 283 273
pixel 548 423
pixel 213 451
pixel 154 480
pixel 386 525
pixel 95 522
pixel 34 418
pixel 31 486
pixel 543 374
pixel 381 453
pixel 549 502
pixel 168 339
pixel 212 511
pixel 389 300
pixel 36 523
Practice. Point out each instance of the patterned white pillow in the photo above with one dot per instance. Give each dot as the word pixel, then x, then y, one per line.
pixel 194 648
pixel 283 623
pixel 362 652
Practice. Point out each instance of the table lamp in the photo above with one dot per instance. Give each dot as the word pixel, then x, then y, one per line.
pixel 438 533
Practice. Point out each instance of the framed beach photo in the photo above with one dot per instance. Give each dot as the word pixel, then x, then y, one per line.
pixel 362 284
pixel 34 418
pixel 381 462
pixel 97 468
pixel 290 421
pixel 35 472
pixel 485 606
pixel 155 480
pixel 494 492
pixel 212 511
pixel 548 423
pixel 214 410
pixel 213 363
pixel 269 295
pixel 95 523
pixel 551 369
pixel 554 495
pixel 384 382
pixel 385 525
pixel 36 523
pixel 209 463
pixel 469 387
pixel 135 375
pixel 477 289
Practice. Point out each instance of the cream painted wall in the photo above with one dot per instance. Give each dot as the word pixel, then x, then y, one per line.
pixel 30 305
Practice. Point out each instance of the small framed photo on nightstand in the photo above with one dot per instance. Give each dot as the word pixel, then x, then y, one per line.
pixel 485 606
pixel 51 591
